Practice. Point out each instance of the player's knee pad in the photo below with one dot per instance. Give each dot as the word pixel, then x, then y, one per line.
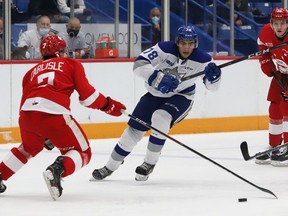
pixel 161 120
pixel 130 138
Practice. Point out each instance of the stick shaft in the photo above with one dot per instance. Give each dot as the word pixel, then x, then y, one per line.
pixel 279 81
pixel 198 153
pixel 259 53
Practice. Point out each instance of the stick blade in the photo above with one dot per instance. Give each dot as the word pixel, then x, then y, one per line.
pixel 244 151
pixel 268 191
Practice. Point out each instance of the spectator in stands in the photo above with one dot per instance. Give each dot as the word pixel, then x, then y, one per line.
pixel 225 13
pixel 155 20
pixel 80 11
pixel 16 15
pixel 31 39
pixel 75 40
pixel 49 8
pixel 16 53
pixel 242 7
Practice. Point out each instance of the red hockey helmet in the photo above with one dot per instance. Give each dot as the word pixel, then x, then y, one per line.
pixel 52 46
pixel 279 14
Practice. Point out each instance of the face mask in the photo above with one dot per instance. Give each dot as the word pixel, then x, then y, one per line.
pixel 43 31
pixel 155 20
pixel 72 33
pixel 1 35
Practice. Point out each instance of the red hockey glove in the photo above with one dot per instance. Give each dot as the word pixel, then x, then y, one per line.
pixel 113 107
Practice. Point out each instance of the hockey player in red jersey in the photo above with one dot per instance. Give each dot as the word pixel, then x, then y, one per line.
pixel 275 63
pixel 45 113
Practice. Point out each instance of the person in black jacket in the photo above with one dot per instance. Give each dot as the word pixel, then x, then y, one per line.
pixel 49 8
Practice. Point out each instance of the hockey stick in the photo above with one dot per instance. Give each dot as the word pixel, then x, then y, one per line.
pixel 245 151
pixel 280 83
pixel 198 153
pixel 259 53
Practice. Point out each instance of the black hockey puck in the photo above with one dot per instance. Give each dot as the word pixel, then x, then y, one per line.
pixel 242 200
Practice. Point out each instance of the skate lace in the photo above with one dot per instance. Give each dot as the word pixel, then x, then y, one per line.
pixel 104 171
pixel 146 166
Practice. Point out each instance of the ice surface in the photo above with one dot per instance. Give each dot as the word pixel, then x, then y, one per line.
pixel 182 182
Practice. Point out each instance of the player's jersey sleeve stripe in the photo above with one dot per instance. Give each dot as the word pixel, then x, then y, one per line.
pixel 88 101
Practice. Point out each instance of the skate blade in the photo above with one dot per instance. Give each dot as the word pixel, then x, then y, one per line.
pixel 279 164
pixel 140 177
pixel 261 162
pixel 92 179
pixel 54 192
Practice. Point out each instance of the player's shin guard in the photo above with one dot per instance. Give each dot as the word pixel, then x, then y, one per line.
pixel 153 152
pixel 13 162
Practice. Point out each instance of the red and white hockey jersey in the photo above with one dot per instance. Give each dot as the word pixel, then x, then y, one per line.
pixel 276 59
pixel 47 87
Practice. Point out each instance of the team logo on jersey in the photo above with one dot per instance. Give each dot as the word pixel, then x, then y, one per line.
pixel 269 44
pixel 169 62
pixel 282 66
pixel 173 106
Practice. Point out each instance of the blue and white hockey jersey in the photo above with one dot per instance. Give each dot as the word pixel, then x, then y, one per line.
pixel 165 55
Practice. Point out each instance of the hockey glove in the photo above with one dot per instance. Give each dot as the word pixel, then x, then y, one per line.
pixel 212 72
pixel 164 83
pixel 48 144
pixel 113 107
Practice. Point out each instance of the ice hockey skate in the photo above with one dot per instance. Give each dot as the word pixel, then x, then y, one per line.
pixel 264 159
pixel 100 174
pixel 280 158
pixel 52 176
pixel 2 186
pixel 143 171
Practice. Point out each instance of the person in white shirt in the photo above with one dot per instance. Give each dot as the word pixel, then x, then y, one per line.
pixel 80 10
pixel 31 39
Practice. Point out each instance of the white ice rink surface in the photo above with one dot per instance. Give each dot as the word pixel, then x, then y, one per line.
pixel 182 183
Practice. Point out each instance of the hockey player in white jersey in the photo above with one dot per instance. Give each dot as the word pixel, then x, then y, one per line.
pixel 168 100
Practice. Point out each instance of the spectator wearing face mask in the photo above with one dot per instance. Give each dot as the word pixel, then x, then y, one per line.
pixel 31 39
pixel 154 19
pixel 75 39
